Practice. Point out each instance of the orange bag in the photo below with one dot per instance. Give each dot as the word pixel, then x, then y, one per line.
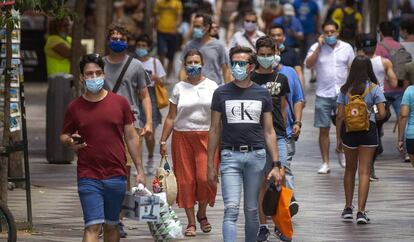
pixel 282 218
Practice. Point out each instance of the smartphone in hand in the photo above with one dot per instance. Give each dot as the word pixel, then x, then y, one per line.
pixel 78 140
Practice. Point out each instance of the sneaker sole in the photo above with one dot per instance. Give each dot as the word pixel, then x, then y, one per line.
pixel 362 221
pixel 327 172
pixel 348 218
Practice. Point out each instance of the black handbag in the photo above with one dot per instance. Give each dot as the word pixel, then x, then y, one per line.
pixel 271 199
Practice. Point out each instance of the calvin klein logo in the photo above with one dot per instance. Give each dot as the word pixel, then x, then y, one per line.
pixel 243 111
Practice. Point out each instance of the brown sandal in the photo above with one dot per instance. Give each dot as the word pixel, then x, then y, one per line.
pixel 190 231
pixel 204 224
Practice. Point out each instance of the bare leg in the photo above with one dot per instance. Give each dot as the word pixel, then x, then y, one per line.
pixel 351 156
pixel 150 142
pixel 190 215
pixel 91 233
pixel 202 210
pixel 365 158
pixel 324 144
pixel 111 233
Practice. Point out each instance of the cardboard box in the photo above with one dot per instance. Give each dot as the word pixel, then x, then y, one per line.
pixel 141 208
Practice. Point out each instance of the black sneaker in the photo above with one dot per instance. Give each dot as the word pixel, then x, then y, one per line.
pixel 362 218
pixel 122 233
pixel 293 207
pixel 263 234
pixel 347 214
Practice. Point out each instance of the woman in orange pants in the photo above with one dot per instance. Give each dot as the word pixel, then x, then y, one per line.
pixel 188 120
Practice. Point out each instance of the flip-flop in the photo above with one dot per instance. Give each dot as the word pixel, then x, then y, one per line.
pixel 204 224
pixel 190 231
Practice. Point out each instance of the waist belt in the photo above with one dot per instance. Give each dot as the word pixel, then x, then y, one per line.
pixel 241 148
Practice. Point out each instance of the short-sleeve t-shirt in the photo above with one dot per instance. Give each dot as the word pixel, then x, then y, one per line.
pixel 154 66
pixel 408 100
pixel 134 79
pixel 193 105
pixel 167 12
pixel 101 124
pixel 55 62
pixel 242 112
pixel 214 56
pixel 375 96
pixel 289 57
pixel 293 24
pixel 306 12
pixel 278 86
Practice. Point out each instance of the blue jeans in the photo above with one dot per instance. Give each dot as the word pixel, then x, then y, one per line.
pixel 282 150
pixel 394 99
pixel 291 149
pixel 101 200
pixel 241 169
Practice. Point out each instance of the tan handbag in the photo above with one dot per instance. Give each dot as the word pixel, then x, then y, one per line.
pixel 161 92
pixel 168 182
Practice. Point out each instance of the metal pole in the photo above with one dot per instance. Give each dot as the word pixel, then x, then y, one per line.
pixel 26 156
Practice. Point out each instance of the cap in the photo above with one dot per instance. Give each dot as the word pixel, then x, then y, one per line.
pixel 288 10
pixel 368 43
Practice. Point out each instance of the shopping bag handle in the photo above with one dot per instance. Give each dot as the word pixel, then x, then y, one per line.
pixel 163 161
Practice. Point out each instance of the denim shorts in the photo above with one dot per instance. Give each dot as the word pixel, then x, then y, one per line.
pixel 283 152
pixel 324 108
pixel 101 200
pixel 167 44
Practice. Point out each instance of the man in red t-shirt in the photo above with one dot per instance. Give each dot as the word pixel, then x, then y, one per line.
pixel 95 126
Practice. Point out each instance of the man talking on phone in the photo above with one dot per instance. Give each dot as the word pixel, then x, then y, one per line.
pixel 95 127
pixel 331 58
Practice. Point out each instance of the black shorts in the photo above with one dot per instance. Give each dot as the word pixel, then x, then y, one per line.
pixel 410 146
pixel 353 140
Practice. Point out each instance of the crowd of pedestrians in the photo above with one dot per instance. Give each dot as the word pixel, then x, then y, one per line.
pixel 235 109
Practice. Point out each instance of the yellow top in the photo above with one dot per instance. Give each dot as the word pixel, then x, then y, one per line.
pixel 167 12
pixel 338 15
pixel 56 63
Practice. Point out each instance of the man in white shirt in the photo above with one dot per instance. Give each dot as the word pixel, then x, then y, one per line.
pixel 249 35
pixel 331 59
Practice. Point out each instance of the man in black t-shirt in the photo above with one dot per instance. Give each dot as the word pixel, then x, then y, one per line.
pixel 241 114
pixel 278 86
pixel 289 57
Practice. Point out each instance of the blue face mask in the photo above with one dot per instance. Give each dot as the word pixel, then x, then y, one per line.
pixel 141 52
pixel 266 62
pixel 239 73
pixel 330 40
pixel 193 70
pixel 281 46
pixel 198 33
pixel 94 85
pixel 117 46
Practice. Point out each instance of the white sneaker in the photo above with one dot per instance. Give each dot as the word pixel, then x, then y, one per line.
pixel 324 169
pixel 341 159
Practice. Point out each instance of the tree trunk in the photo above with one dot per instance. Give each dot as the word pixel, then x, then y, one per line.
pixel 100 38
pixel 77 50
pixel 6 118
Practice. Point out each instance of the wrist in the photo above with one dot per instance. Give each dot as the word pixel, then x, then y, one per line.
pixel 277 164
pixel 163 142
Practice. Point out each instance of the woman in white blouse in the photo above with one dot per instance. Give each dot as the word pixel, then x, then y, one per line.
pixel 188 120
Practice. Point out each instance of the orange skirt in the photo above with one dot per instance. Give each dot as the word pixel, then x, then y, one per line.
pixel 189 156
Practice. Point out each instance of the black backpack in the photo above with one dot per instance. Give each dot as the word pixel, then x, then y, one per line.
pixel 349 26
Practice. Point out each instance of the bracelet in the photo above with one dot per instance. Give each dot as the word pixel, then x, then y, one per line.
pixel 163 142
pixel 277 164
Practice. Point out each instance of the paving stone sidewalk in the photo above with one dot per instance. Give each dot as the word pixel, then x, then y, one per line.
pixel 58 216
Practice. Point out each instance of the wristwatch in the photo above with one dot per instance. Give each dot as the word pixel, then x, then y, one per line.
pixel 163 142
pixel 277 164
pixel 298 123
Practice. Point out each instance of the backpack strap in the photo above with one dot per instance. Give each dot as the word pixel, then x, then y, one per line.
pixel 121 75
pixel 366 92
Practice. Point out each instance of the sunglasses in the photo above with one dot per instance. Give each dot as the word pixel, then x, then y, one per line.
pixel 239 63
